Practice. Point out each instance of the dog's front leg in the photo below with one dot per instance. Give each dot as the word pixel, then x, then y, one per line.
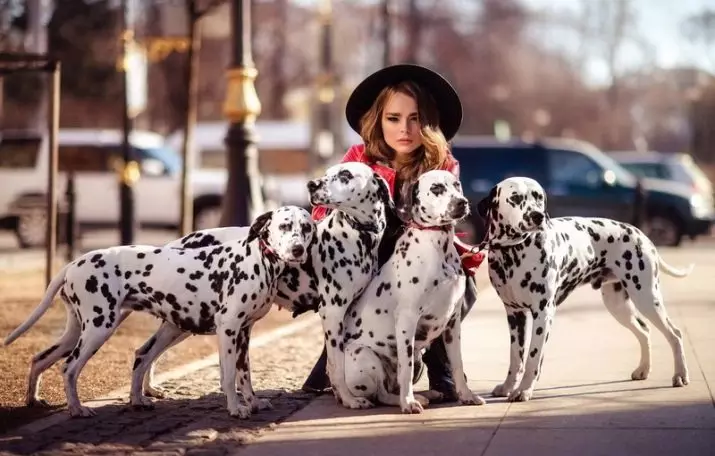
pixel 227 344
pixel 243 370
pixel 332 316
pixel 452 343
pixel 519 321
pixel 543 320
pixel 405 328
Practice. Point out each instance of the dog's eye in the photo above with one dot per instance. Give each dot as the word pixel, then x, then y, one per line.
pixel 284 226
pixel 306 228
pixel 345 176
pixel 438 189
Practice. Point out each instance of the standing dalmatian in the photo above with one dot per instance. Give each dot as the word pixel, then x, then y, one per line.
pixel 220 290
pixel 535 262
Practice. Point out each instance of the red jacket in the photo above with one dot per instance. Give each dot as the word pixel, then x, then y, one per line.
pixel 356 153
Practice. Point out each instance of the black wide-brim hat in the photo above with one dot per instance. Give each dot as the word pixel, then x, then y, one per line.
pixel 449 106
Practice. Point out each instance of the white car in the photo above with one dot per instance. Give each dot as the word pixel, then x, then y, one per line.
pixel 94 155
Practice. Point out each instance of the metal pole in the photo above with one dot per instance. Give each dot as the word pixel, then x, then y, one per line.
pixel 192 77
pixel 386 25
pixel 241 107
pixel 130 169
pixel 53 127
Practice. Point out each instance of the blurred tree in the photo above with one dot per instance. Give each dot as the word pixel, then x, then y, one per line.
pixel 699 28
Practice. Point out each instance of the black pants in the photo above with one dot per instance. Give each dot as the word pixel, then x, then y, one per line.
pixel 434 358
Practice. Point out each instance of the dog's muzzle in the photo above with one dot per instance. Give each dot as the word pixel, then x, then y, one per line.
pixel 313 187
pixel 458 208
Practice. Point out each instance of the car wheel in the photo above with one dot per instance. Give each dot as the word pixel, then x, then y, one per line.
pixel 207 217
pixel 31 228
pixel 663 231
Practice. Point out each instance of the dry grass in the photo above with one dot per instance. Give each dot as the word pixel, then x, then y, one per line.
pixel 109 369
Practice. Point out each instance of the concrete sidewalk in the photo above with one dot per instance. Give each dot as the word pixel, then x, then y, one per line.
pixel 585 402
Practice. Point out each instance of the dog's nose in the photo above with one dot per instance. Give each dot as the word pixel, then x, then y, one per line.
pixel 297 251
pixel 537 217
pixel 314 185
pixel 458 208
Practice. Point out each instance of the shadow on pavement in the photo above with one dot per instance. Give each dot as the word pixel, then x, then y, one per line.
pixel 202 426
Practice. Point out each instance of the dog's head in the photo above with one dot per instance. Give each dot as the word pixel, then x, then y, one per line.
pixel 435 199
pixel 287 231
pixel 355 189
pixel 513 208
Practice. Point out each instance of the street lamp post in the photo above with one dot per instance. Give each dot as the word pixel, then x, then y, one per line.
pixel 129 173
pixel 241 107
pixel 324 119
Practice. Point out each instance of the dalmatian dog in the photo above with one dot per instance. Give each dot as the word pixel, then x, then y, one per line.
pixel 415 298
pixel 535 262
pixel 340 264
pixel 220 290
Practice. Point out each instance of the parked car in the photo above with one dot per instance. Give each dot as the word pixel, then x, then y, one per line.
pixel 580 180
pixel 676 167
pixel 93 156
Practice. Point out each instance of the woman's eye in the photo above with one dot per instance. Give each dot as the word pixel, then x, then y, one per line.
pixel 392 119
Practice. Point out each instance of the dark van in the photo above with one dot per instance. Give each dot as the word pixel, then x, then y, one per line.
pixel 579 180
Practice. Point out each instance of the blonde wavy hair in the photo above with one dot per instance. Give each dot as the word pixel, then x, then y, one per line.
pixel 433 151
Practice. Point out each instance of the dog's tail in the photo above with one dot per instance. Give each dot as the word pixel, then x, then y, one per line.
pixel 674 272
pixel 40 310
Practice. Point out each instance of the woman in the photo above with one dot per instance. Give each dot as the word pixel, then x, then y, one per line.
pixel 405 115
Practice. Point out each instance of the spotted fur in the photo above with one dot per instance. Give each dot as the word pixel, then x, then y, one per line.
pixel 535 262
pixel 340 263
pixel 217 289
pixel 415 298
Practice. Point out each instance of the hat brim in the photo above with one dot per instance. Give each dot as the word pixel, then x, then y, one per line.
pixel 448 103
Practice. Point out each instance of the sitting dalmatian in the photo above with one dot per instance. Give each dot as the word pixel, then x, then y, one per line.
pixel 535 262
pixel 340 264
pixel 415 298
pixel 220 290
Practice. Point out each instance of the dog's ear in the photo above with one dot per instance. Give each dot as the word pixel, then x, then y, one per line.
pixel 383 191
pixel 486 203
pixel 409 198
pixel 258 225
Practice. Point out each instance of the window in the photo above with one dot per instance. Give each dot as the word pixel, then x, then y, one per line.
pixel 87 158
pixel 568 167
pixel 481 168
pixel 655 170
pixel 19 153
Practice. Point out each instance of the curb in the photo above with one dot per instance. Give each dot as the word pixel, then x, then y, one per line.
pixel 120 395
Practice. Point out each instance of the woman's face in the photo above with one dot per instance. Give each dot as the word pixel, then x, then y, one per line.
pixel 401 124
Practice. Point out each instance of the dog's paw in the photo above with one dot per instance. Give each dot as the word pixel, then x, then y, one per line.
pixel 155 392
pixel 411 406
pixel 357 403
pixel 261 404
pixel 241 411
pixel 521 395
pixel 641 373
pixel 469 398
pixel 80 411
pixel 36 402
pixel 502 391
pixel 680 380
pixel 143 403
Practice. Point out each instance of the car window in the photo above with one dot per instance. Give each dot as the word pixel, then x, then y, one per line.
pixel 481 168
pixel 19 153
pixel 567 167
pixel 87 158
pixel 654 170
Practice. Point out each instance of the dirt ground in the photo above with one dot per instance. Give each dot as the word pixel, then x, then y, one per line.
pixel 109 369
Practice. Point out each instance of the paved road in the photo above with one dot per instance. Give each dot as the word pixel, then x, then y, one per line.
pixel 585 403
